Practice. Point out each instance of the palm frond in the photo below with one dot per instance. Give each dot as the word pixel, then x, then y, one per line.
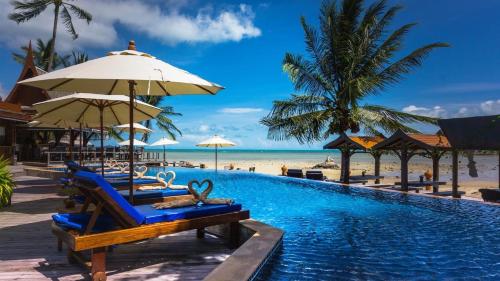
pixel 27 9
pixel 79 12
pixel 68 22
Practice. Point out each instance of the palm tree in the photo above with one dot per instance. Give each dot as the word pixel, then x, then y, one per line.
pixel 350 58
pixel 41 55
pixel 79 57
pixel 28 9
pixel 163 120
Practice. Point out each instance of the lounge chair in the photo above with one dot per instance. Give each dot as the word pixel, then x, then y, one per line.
pixel 490 195
pixel 295 173
pixel 315 175
pixel 114 221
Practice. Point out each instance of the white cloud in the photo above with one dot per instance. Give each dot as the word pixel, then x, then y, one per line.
pixel 436 111
pixel 170 26
pixel 240 110
pixel 490 107
pixel 473 87
pixel 204 128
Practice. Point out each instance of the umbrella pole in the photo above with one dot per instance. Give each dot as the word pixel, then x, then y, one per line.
pixel 102 140
pixel 163 155
pixel 216 158
pixel 131 85
pixel 70 144
pixel 80 147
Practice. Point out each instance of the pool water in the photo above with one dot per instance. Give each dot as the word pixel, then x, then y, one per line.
pixel 338 233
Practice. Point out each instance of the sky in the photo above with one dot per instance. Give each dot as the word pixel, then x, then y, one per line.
pixel 241 45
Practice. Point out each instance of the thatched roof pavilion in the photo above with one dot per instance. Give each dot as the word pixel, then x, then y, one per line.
pixel 407 145
pixel 472 133
pixel 348 145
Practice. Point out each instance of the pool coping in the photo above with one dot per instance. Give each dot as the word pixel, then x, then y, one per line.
pixel 44 172
pixel 260 243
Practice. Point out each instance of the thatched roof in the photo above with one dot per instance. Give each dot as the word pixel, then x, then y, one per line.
pixel 474 133
pixel 353 142
pixel 414 141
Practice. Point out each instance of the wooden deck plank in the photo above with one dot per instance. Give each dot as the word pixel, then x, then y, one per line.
pixel 29 250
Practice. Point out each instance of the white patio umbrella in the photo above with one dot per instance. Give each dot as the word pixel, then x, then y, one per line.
pixel 136 143
pixel 92 109
pixel 138 128
pixel 164 142
pixel 127 72
pixel 216 142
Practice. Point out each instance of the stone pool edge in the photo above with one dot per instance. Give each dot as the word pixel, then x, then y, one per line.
pixel 260 243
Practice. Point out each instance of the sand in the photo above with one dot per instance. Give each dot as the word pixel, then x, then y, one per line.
pixel 487 166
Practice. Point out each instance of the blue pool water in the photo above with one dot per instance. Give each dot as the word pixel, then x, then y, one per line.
pixel 338 233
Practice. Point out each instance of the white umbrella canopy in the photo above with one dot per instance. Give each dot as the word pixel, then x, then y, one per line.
pixel 86 109
pixel 127 72
pixel 111 75
pixel 136 143
pixel 216 142
pixel 91 109
pixel 138 128
pixel 164 142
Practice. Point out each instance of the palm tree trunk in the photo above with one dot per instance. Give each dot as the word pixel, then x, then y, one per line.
pixel 54 32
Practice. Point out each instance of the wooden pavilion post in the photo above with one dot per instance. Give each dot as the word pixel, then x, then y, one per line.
pixel 376 155
pixel 499 169
pixel 71 143
pixel 345 162
pixel 404 167
pixel 454 172
pixel 436 156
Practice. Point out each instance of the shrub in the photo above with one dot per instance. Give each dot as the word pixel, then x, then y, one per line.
pixel 6 183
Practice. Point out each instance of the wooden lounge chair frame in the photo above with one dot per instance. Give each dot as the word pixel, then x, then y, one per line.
pixel 129 230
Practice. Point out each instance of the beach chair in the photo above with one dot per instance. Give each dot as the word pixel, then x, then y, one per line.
pixel 315 175
pixel 114 221
pixel 490 195
pixel 295 173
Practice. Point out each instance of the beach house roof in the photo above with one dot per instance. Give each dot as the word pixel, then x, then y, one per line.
pixel 353 142
pixel 477 133
pixel 414 141
pixel 27 95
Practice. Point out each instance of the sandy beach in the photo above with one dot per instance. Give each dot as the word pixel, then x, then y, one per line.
pixel 487 166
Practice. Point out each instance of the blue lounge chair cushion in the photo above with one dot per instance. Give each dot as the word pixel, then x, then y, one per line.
pixel 64 181
pixel 153 215
pixel 146 214
pixel 148 194
pixel 116 176
pixel 125 182
pixel 79 222
pixel 117 197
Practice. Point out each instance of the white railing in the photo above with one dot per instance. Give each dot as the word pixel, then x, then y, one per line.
pixel 60 156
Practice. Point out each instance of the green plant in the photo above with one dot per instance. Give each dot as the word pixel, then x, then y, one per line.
pixel 350 57
pixel 6 183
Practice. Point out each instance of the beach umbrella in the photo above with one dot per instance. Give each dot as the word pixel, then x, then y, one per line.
pixel 126 72
pixel 136 143
pixel 216 142
pixel 91 109
pixel 138 128
pixel 164 142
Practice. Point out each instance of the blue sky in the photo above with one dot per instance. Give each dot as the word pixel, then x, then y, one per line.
pixel 240 45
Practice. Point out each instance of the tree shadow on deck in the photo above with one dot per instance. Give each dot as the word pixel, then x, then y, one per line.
pixel 36 182
pixel 32 247
pixel 183 257
pixel 34 207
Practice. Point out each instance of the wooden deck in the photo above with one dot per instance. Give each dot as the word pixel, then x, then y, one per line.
pixel 28 250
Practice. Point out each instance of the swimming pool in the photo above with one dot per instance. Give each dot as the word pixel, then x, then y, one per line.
pixel 333 232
